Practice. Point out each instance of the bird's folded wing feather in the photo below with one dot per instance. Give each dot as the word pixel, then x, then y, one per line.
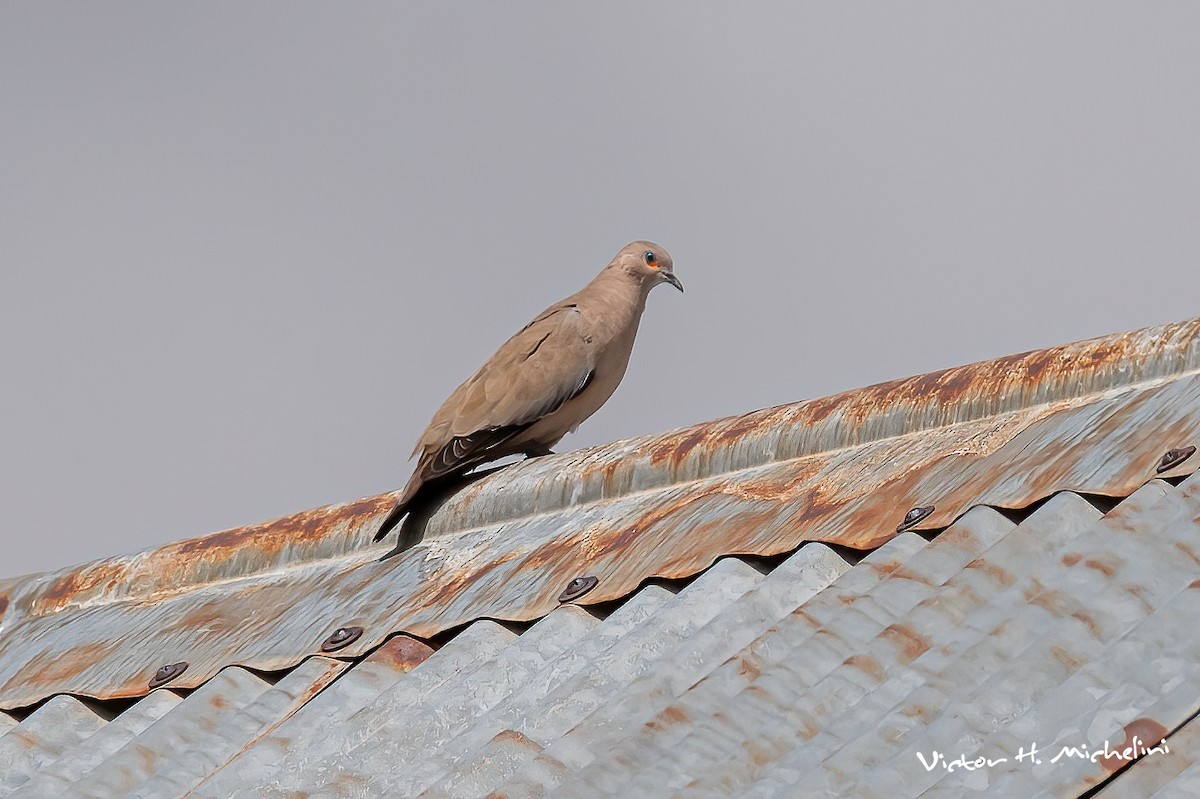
pixel 532 375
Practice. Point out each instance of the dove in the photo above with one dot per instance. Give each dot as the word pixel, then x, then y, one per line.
pixel 543 382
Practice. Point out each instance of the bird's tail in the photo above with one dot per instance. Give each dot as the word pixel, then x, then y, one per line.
pixel 392 520
pixel 417 484
pixel 421 496
pixel 413 508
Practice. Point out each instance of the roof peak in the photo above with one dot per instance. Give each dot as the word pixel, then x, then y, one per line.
pixel 1091 416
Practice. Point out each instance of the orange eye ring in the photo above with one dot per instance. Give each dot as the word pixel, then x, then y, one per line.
pixel 651 259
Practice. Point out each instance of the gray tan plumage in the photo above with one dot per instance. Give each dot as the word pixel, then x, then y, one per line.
pixel 554 373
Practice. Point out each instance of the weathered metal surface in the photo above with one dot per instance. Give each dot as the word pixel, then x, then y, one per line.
pixel 242 730
pixel 54 779
pixel 1066 628
pixel 162 746
pixel 1095 416
pixel 323 721
pixel 991 635
pixel 587 724
pixel 50 730
pixel 1153 774
pixel 1085 645
pixel 566 662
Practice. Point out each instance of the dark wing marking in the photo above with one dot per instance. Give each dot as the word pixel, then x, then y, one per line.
pixel 464 452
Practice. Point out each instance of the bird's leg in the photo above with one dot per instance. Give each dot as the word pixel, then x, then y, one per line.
pixel 537 451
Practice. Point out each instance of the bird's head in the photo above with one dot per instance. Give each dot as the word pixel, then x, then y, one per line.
pixel 648 262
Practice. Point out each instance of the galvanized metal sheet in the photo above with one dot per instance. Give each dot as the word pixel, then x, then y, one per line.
pixel 1152 774
pixel 1065 627
pixel 53 728
pixel 476 759
pixel 992 634
pixel 535 748
pixel 1039 655
pixel 349 711
pixel 241 730
pixel 191 724
pixel 1094 416
pixel 54 779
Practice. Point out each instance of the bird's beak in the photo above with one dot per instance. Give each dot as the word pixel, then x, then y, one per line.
pixel 674 281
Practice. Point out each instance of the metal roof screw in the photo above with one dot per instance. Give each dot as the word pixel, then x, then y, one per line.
pixel 169 672
pixel 1173 458
pixel 341 638
pixel 577 588
pixel 914 516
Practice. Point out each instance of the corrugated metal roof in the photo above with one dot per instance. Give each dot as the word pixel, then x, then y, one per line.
pixel 1176 775
pixel 804 678
pixel 1094 416
pixel 780 671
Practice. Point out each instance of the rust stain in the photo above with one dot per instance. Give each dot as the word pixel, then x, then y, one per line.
pixel 1104 567
pixel 1046 598
pixel 670 716
pixel 1188 551
pixel 453 584
pixel 1087 621
pixel 518 738
pixel 884 568
pixel 1070 559
pixel 995 573
pixel 842 469
pixel 286 531
pixel 332 669
pixel 868 665
pixel 912 645
pixel 1069 661
pixel 749 666
pixel 918 711
pixel 401 653
pixel 162 569
pixel 64 590
pixel 1140 735
pixel 48 668
pixel 209 620
pixel 677 449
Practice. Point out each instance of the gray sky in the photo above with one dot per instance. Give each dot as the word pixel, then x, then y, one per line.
pixel 247 249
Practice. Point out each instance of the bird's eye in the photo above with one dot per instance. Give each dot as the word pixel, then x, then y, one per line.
pixel 650 258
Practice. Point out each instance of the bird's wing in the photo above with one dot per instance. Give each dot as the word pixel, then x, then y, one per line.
pixel 532 375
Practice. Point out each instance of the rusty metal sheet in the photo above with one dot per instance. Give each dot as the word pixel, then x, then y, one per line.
pixel 1094 417
pixel 1055 654
pixel 56 726
pixel 1152 774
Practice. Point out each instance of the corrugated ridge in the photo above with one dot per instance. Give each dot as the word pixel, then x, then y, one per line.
pixel 754 686
pixel 65 635
pixel 827 632
pixel 55 777
pixel 980 677
pixel 895 408
pixel 561 731
pixel 53 728
pixel 886 410
pixel 195 721
pixel 651 622
pixel 1170 775
pixel 243 729
pixel 397 735
pixel 160 746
